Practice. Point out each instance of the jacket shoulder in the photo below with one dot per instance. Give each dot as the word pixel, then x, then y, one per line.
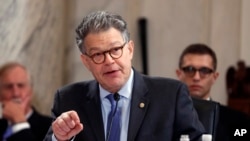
pixel 78 86
pixel 163 81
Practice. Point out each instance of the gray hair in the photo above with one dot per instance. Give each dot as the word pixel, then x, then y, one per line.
pixel 10 65
pixel 97 22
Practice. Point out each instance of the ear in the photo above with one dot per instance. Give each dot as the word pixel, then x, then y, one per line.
pixel 131 48
pixel 178 73
pixel 85 62
pixel 215 75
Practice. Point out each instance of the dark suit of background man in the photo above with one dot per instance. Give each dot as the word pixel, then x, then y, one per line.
pixel 197 69
pixel 153 109
pixel 18 114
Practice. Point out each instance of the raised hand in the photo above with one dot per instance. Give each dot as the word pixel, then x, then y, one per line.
pixel 67 125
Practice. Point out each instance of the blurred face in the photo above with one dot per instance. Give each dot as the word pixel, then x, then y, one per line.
pixel 198 74
pixel 114 71
pixel 15 86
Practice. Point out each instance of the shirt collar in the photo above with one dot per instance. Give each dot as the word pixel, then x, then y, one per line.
pixel 125 91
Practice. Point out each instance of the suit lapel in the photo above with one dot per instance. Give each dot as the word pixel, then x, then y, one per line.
pixel 93 110
pixel 139 105
pixel 3 127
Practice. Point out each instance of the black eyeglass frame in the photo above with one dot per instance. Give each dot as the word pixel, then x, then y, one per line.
pixel 191 71
pixel 104 54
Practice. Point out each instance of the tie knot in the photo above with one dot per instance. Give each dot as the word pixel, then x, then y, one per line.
pixel 111 99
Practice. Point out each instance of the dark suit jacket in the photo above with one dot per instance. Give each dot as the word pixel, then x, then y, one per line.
pixel 167 114
pixel 208 113
pixel 229 121
pixel 39 127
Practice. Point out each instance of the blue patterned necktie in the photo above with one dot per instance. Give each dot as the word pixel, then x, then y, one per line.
pixel 7 133
pixel 113 126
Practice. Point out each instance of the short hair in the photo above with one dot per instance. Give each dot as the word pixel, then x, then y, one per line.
pixel 200 49
pixel 100 21
pixel 10 65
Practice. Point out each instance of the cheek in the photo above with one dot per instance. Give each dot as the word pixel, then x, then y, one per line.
pixel 5 96
pixel 26 92
pixel 30 92
pixel 95 69
pixel 125 61
pixel 128 54
pixel 90 66
pixel 184 79
pixel 209 83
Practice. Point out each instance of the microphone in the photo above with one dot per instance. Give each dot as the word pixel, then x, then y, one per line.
pixel 116 98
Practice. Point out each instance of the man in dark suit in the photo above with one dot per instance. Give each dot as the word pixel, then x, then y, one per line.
pixel 152 109
pixel 18 115
pixel 197 69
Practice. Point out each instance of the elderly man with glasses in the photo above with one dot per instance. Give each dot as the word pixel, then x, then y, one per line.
pixel 197 69
pixel 120 104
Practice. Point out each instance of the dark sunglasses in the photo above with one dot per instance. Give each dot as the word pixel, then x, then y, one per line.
pixel 203 71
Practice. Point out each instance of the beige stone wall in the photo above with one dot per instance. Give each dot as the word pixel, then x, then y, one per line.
pixel 41 34
pixel 245 31
pixel 175 24
pixel 172 25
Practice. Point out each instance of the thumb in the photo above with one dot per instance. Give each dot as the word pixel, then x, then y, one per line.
pixel 77 129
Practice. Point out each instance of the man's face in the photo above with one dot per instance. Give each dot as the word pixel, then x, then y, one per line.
pixel 15 86
pixel 112 74
pixel 199 82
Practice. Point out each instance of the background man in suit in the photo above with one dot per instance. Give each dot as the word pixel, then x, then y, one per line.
pixel 25 123
pixel 152 109
pixel 197 69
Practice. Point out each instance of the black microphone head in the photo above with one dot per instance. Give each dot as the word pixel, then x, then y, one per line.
pixel 116 97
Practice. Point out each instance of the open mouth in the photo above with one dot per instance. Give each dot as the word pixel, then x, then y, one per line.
pixel 111 72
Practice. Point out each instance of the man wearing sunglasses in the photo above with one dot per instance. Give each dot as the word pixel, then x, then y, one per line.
pixel 197 69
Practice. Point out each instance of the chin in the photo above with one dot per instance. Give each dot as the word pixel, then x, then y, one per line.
pixel 196 95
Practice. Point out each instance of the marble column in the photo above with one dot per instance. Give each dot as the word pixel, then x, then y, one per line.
pixel 32 32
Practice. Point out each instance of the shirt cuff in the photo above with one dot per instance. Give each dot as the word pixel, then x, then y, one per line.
pixel 54 138
pixel 20 126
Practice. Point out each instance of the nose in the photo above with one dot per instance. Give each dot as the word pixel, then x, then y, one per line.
pixel 197 76
pixel 15 90
pixel 108 58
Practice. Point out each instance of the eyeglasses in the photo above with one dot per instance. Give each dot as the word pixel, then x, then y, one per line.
pixel 100 57
pixel 203 71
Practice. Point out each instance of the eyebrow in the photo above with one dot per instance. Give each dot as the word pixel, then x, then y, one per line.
pixel 112 45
